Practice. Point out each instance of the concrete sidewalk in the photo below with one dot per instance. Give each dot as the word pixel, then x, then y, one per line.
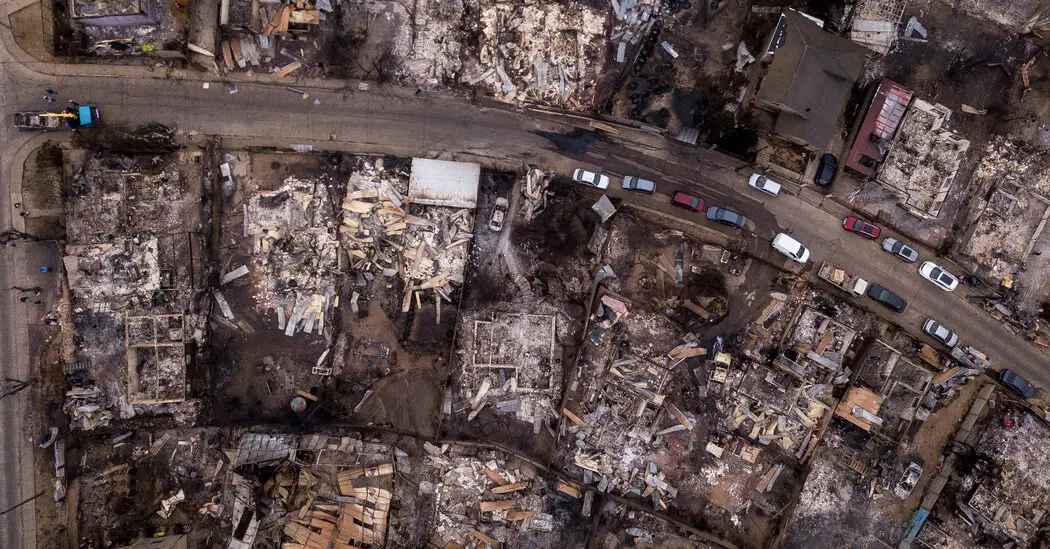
pixel 22 337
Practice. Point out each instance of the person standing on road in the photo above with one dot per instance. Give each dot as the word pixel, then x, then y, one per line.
pixel 45 269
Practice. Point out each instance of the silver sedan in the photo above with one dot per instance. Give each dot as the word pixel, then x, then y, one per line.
pixel 900 249
pixel 938 331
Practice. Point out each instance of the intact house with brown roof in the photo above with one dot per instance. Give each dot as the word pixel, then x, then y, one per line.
pixel 809 80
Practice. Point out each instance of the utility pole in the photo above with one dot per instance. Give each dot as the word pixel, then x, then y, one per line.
pixel 27 500
pixel 12 386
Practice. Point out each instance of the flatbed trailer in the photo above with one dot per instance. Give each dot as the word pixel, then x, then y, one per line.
pixel 70 118
pixel 33 120
pixel 841 279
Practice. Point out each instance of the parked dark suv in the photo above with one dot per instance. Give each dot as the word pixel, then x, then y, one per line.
pixel 1019 384
pixel 826 170
pixel 887 298
pixel 725 217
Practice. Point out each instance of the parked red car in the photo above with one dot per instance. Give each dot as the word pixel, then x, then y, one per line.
pixel 687 201
pixel 863 228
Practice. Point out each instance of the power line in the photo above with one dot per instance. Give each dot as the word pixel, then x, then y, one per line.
pixel 12 386
pixel 23 502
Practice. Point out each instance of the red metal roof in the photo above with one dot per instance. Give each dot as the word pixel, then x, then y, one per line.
pixel 880 124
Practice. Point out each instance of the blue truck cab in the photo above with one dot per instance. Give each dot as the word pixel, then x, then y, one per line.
pixel 88 116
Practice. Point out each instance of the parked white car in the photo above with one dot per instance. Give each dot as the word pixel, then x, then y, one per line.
pixel 934 273
pixel 590 179
pixel 790 247
pixel 764 184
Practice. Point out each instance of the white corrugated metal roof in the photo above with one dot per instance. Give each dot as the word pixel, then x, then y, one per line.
pixel 444 183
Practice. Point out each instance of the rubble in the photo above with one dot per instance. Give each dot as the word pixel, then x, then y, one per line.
pixel 514 364
pixel 923 159
pixel 652 402
pixel 148 481
pixel 134 282
pixel 1010 503
pixel 296 250
pixel 816 347
pixel 113 28
pixel 488 496
pixel 1011 219
pixel 1001 496
pixel 124 194
pixel 167 506
pixel 156 355
pixel 612 442
pixel 535 55
pixel 317 495
pixel 902 387
pixel 872 448
pixel 87 407
pixel 1021 16
pixel 535 191
pixel 827 500
pixel 875 23
pixel 428 250
pixel 269 36
pixel 634 20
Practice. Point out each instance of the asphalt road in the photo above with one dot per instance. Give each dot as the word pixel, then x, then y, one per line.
pixel 380 122
pixel 17 528
pixel 400 123
pixel 828 241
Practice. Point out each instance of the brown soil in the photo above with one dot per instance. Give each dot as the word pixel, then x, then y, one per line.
pixel 928 445
pixel 410 402
pixel 245 361
pixel 42 193
pixel 790 157
pixel 407 387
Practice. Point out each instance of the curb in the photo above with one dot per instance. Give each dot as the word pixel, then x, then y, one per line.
pixel 724 240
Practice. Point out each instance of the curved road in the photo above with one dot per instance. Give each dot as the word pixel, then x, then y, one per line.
pixel 395 121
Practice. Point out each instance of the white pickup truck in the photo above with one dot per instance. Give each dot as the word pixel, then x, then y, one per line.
pixel 841 279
